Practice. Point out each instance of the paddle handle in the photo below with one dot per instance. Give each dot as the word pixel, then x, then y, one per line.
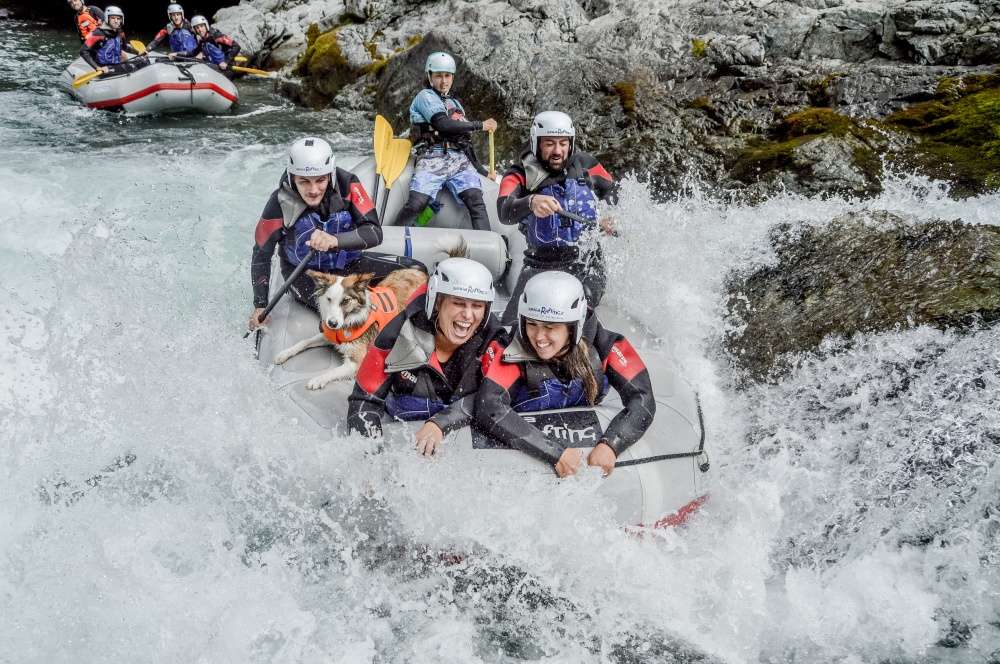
pixel 299 269
pixel 574 217
pixel 493 161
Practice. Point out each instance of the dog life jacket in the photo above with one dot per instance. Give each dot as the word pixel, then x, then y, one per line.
pixel 540 389
pixel 86 23
pixel 382 310
pixel 324 261
pixel 554 231
pixel 182 40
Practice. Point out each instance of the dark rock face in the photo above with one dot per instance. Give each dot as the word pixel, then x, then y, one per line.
pixel 709 88
pixel 863 272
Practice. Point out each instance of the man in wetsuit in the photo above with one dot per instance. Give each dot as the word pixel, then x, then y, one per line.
pixel 553 175
pixel 102 49
pixel 444 150
pixel 213 46
pixel 88 17
pixel 178 33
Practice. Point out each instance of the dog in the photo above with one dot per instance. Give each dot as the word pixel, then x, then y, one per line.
pixel 352 313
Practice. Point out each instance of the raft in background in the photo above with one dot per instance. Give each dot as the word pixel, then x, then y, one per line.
pixel 660 478
pixel 163 86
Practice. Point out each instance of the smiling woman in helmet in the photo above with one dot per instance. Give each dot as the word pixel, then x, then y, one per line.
pixel 178 33
pixel 554 174
pixel 317 207
pixel 427 363
pixel 561 356
pixel 103 47
pixel 445 157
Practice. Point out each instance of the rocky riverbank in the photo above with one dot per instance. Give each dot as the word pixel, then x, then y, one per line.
pixel 810 95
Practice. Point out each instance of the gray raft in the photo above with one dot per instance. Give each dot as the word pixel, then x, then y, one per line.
pixel 659 479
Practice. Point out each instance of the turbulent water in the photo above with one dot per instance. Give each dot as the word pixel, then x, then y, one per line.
pixel 159 500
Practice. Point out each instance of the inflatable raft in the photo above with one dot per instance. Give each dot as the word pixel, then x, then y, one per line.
pixel 161 87
pixel 659 479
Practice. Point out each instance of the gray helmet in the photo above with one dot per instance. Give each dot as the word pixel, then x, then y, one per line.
pixel 552 123
pixel 199 20
pixel 114 10
pixel 553 297
pixel 174 8
pixel 461 277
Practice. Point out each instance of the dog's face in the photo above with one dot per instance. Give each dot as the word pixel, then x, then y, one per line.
pixel 343 301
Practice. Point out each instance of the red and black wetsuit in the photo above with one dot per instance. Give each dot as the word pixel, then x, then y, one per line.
pixel 216 48
pixel 283 210
pixel 530 176
pixel 167 35
pixel 88 19
pixel 407 382
pixel 517 381
pixel 103 47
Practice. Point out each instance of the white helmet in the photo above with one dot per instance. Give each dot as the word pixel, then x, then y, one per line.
pixel 552 123
pixel 440 61
pixel 199 20
pixel 174 8
pixel 461 277
pixel 310 157
pixel 114 10
pixel 553 297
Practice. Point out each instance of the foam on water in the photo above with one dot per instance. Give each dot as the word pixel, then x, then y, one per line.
pixel 853 515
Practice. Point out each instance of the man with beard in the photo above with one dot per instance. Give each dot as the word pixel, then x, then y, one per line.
pixel 552 175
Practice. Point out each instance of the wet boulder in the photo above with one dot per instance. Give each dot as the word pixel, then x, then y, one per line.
pixel 861 272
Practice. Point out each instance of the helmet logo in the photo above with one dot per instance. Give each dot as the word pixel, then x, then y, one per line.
pixel 546 311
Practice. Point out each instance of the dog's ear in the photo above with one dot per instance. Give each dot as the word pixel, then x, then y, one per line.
pixel 362 281
pixel 321 278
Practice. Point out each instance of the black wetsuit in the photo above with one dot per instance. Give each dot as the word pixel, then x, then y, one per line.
pixel 280 215
pixel 527 177
pixel 515 371
pixel 94 44
pixel 406 381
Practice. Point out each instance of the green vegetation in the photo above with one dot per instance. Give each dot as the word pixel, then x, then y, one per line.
pixel 699 48
pixel 626 95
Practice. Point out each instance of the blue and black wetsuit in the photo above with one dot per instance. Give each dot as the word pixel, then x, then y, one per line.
pixel 179 39
pixel 103 48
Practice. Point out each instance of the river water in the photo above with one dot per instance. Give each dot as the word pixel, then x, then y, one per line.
pixel 159 500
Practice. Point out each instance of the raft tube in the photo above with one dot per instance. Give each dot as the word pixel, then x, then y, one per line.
pixel 161 87
pixel 660 479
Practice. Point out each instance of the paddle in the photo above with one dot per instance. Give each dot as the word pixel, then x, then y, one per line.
pixel 83 79
pixel 380 143
pixel 395 163
pixel 138 46
pixel 284 288
pixel 493 162
pixel 253 72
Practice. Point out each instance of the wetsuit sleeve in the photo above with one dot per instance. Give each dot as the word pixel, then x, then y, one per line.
pixel 97 13
pixel 496 417
pixel 367 232
pixel 366 405
pixel 157 40
pixel 627 373
pixel 230 46
pixel 270 229
pixel 446 125
pixel 90 45
pixel 457 415
pixel 512 202
pixel 604 185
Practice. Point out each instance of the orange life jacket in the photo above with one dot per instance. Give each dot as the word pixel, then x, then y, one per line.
pixel 86 23
pixel 383 309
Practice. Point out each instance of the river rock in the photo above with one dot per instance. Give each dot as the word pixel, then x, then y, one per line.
pixel 861 272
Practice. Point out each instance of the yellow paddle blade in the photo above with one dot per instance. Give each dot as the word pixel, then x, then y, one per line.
pixel 253 72
pixel 396 157
pixel 240 58
pixel 83 79
pixel 138 46
pixel 380 142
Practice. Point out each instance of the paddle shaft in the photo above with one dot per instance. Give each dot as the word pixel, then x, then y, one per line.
pixel 574 217
pixel 299 269
pixel 493 161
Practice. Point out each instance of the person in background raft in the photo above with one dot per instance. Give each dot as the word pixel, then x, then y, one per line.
pixel 561 356
pixel 213 46
pixel 102 49
pixel 445 156
pixel 316 206
pixel 552 175
pixel 427 362
pixel 88 17
pixel 178 33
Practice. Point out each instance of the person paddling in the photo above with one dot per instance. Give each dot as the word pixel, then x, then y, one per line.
pixel 213 46
pixel 553 174
pixel 321 208
pixel 445 156
pixel 562 357
pixel 88 17
pixel 103 47
pixel 177 34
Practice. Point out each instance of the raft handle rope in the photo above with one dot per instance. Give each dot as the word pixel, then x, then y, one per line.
pixel 703 463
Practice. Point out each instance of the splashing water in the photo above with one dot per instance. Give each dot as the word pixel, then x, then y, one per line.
pixel 160 501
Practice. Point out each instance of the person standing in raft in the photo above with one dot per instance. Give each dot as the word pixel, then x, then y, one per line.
pixel 445 156
pixel 103 47
pixel 553 175
pixel 213 46
pixel 88 17
pixel 561 356
pixel 178 34
pixel 427 362
pixel 320 207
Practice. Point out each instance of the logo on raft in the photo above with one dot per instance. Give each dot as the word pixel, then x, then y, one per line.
pixel 565 433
